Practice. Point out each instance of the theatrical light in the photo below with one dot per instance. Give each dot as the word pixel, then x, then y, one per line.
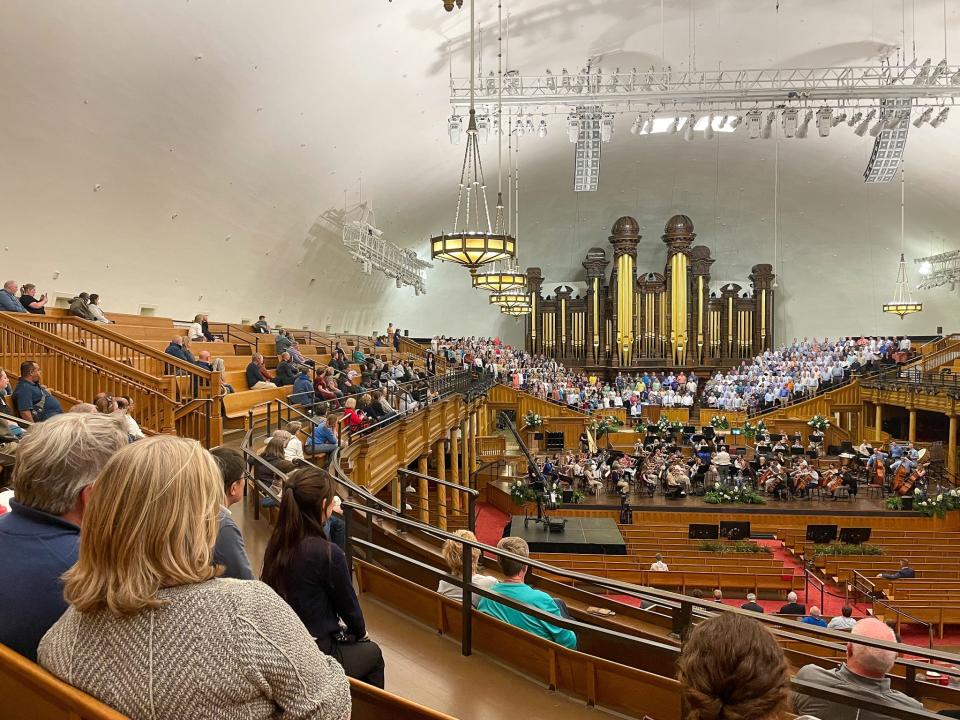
pixel 573 128
pixel 825 121
pixel 921 78
pixel 647 126
pixel 674 126
pixel 520 129
pixel 708 128
pixel 551 81
pixel 454 129
pixel 789 120
pixel 939 70
pixel 735 123
pixel 542 128
pixel 723 120
pixel 606 128
pixel 635 127
pixel 837 119
pixel 865 123
pixel 805 125
pixel 528 126
pixel 768 125
pixel 926 268
pixel 955 78
pixel 483 128
pixel 923 117
pixel 855 118
pixel 940 118
pixel 877 127
pixel 688 128
pixel 754 123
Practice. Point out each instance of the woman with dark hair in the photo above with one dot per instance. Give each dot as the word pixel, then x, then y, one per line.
pixel 312 575
pixel 733 668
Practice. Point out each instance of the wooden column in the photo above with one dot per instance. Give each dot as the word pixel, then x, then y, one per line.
pixel 912 432
pixel 441 461
pixel 465 449
pixel 952 446
pixel 455 463
pixel 396 492
pixel 424 490
pixel 473 441
pixel 878 421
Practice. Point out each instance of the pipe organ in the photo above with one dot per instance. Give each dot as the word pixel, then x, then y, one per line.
pixel 633 319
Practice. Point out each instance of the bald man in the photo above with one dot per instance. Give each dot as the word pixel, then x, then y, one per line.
pixel 863 673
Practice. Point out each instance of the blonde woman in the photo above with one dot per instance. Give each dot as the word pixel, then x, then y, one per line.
pixel 453 555
pixel 196 329
pixel 219 366
pixel 293 450
pixel 150 629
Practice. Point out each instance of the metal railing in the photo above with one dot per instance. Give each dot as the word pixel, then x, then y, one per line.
pixel 444 513
pixel 862 585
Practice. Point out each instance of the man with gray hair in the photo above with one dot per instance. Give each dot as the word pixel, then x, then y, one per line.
pixel 8 298
pixel 793 607
pixel 864 673
pixel 57 463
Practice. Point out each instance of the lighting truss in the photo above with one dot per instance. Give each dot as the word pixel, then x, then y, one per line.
pixel 369 248
pixel 586 175
pixel 890 142
pixel 938 270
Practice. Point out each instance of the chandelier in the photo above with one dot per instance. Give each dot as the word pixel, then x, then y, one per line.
pixel 512 298
pixel 505 273
pixel 473 241
pixel 517 310
pixel 902 303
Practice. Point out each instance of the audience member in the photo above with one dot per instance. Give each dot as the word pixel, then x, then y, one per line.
pixel 303 392
pixel 186 342
pixel 844 621
pixel 864 673
pixel 32 400
pixel 453 555
pixel 229 550
pixel 257 376
pixel 732 668
pixel 175 348
pixel 94 307
pixel 30 302
pixel 196 329
pixel 513 587
pixel 145 581
pixel 718 595
pixel 814 617
pixel 124 407
pixel 352 420
pixel 57 463
pixel 792 607
pixel 8 298
pixel 293 450
pixel 9 430
pixel 80 307
pixel 312 575
pixel 203 360
pixel 205 329
pixel 273 455
pixel 283 342
pixel 286 371
pixel 219 366
pixel 323 439
pixel 261 325
pixel 752 604
pixel 659 565
pixel 84 409
pixel 905 572
pixel 106 404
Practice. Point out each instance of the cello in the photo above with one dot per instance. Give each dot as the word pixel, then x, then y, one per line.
pixel 901 484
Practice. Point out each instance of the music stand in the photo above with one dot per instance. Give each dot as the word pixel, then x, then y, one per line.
pixel 821 534
pixel 854 536
pixel 734 529
pixel 703 531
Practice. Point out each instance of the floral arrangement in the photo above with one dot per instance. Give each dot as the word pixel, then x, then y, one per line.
pixel 521 493
pixel 577 497
pixel 663 425
pixel 742 495
pixel 761 427
pixel 937 505
pixel 605 425
pixel 818 423
pixel 846 549
pixel 749 430
pixel 676 426
pixel 719 422
pixel 533 420
pixel 740 546
pixel 894 502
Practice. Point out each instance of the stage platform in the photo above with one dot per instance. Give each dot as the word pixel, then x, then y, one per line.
pixel 592 536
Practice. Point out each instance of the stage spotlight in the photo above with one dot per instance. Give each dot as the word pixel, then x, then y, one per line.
pixel 926 268
pixel 688 128
pixel 939 70
pixel 838 118
pixel 768 125
pixel 674 126
pixel 941 118
pixel 542 128
pixel 551 81
pixel 723 121
pixel 735 123
pixel 923 117
pixel 855 118
pixel 805 125
pixel 455 129
pixel 825 121
pixel 790 122
pixel 635 127
pixel 606 128
pixel 708 128
pixel 955 78
pixel 865 123
pixel 483 128
pixel 754 121
pixel 647 125
pixel 877 127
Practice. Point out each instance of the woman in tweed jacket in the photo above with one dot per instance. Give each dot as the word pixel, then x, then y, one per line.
pixel 152 632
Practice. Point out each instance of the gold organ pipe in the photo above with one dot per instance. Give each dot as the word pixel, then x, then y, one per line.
pixel 763 318
pixel 563 325
pixel 730 323
pixel 678 304
pixel 700 318
pixel 533 321
pixel 625 307
pixel 596 315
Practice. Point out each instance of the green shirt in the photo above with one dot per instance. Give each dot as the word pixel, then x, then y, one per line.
pixel 523 593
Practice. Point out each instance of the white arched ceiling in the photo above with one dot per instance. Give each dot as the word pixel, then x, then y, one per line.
pixel 220 133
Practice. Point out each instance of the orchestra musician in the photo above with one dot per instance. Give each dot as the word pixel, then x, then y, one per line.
pixel 678 478
pixel 803 478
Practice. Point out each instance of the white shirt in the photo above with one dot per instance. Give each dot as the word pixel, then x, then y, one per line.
pixel 98 313
pixel 293 450
pixel 659 566
pixel 841 623
pixel 196 331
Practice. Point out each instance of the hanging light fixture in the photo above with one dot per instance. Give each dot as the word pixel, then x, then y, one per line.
pixel 473 242
pixel 517 310
pixel 903 303
pixel 512 298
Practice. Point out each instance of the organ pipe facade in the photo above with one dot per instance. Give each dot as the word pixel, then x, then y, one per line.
pixel 637 319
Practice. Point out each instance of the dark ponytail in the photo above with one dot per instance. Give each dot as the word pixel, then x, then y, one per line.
pixel 307 493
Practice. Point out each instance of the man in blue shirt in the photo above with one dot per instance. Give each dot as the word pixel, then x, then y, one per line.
pixel 31 399
pixel 57 462
pixel 814 617
pixel 514 588
pixel 8 298
pixel 229 549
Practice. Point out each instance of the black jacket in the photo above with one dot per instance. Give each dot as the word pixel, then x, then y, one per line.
pixel 752 606
pixel 793 609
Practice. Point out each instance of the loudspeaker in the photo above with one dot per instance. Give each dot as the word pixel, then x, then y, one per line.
pixel 555 440
pixel 702 531
pixel 734 530
pixel 854 536
pixel 821 534
pixel 556 525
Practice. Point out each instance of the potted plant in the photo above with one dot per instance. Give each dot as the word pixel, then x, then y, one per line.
pixel 818 423
pixel 719 423
pixel 749 430
pixel 521 493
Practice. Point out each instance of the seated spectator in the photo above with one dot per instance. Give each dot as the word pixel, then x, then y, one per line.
pixel 261 325
pixel 273 455
pixel 352 420
pixel 844 621
pixel 453 555
pixel 792 607
pixel 286 371
pixel 203 360
pixel 814 617
pixel 124 406
pixel 297 357
pixel 31 303
pixel 228 550
pixel 659 565
pixel 905 572
pixel 10 428
pixel 257 376
pixel 303 393
pixel 94 307
pixel 106 404
pixel 358 356
pixel 84 408
pixel 145 577
pixel 380 400
pixel 80 307
pixel 313 576
pixel 326 386
pixel 185 349
pixel 718 595
pixel 196 329
pixel 293 450
pixel 283 342
pixel 175 348
pixel 864 673
pixel 219 366
pixel 732 667
pixel 514 587
pixel 8 298
pixel 32 400
pixel 205 329
pixel 752 604
pixel 57 462
pixel 323 439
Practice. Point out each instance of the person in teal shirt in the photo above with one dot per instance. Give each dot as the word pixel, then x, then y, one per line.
pixel 514 588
